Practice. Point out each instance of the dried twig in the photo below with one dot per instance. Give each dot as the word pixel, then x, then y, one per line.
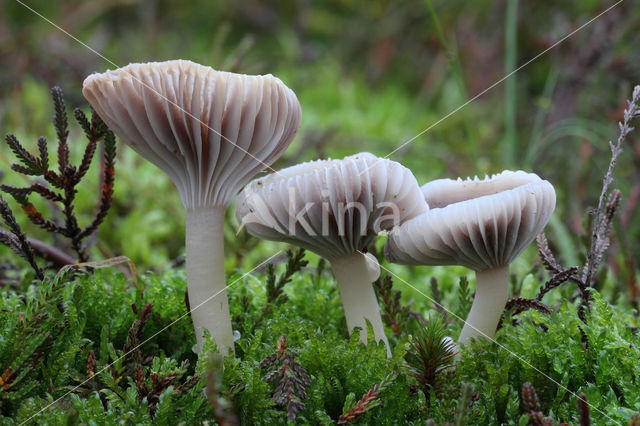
pixel 547 256
pixel 603 215
pixel 522 304
pixel 562 276
pixel 609 202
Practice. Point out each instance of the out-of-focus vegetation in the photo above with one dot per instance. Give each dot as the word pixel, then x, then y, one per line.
pixel 370 76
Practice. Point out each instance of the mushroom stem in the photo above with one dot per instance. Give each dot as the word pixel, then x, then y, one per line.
pixel 358 297
pixel 492 291
pixel 206 276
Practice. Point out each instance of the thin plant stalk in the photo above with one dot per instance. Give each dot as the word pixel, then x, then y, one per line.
pixel 511 55
pixel 454 63
pixel 539 120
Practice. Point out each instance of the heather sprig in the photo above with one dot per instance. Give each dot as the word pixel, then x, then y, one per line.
pixel 60 187
pixel 532 407
pixel 275 285
pixel 601 220
pixel 15 239
pixel 465 298
pixel 369 401
pixel 522 304
pixel 152 378
pixel 290 376
pixel 394 314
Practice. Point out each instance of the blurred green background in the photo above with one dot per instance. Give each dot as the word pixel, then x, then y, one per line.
pixel 370 75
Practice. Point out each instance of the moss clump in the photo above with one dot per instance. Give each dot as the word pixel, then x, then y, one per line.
pixel 64 331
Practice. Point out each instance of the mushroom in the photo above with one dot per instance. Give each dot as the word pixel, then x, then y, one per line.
pixel 481 224
pixel 335 208
pixel 210 131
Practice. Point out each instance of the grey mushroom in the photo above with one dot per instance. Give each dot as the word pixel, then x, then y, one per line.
pixel 210 131
pixel 335 208
pixel 481 224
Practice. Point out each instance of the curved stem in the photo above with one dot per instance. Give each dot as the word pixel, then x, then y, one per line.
pixel 206 278
pixel 492 291
pixel 358 297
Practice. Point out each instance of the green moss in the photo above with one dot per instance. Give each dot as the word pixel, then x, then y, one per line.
pixel 46 336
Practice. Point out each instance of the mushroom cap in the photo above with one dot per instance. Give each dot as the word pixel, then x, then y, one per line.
pixel 331 207
pixel 480 224
pixel 210 131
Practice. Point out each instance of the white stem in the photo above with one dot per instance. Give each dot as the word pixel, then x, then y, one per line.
pixel 492 291
pixel 206 277
pixel 358 297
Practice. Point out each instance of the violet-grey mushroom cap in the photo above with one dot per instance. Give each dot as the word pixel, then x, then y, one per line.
pixel 341 204
pixel 480 224
pixel 173 113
